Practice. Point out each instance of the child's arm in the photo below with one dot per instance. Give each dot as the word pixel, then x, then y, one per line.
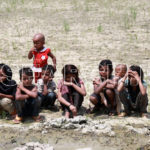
pixel 96 83
pixel 137 77
pixel 20 96
pixel 81 89
pixel 111 84
pixel 121 84
pixel 6 96
pixel 99 88
pixel 45 91
pixel 63 101
pixel 31 93
pixel 53 59
pixel 30 54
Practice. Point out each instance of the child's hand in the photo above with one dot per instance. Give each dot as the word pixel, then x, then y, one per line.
pixel 73 109
pixel 95 81
pixel 20 86
pixel 134 74
pixel 67 83
pixel 33 49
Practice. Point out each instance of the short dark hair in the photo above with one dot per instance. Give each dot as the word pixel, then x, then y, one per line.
pixel 49 68
pixel 106 62
pixel 7 70
pixel 139 70
pixel 27 71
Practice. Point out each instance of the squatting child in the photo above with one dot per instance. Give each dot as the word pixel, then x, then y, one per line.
pixel 27 102
pixel 71 90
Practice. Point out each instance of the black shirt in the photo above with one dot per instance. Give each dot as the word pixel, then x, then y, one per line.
pixel 8 87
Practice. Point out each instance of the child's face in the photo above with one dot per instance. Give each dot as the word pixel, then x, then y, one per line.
pixel 133 81
pixel 26 80
pixel 69 78
pixel 104 72
pixel 46 76
pixel 120 71
pixel 38 43
pixel 3 76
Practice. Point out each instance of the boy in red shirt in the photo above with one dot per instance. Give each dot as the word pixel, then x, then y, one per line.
pixel 40 55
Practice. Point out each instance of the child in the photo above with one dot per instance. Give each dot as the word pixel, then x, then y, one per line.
pixel 71 90
pixel 46 86
pixel 120 72
pixel 134 98
pixel 104 86
pixel 40 55
pixel 7 90
pixel 27 103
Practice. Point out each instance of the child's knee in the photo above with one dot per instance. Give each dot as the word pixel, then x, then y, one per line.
pixel 93 100
pixel 51 95
pixel 110 93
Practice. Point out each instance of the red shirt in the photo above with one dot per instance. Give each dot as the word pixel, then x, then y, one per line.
pixel 40 58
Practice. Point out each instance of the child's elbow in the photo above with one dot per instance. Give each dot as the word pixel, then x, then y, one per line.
pixel 84 94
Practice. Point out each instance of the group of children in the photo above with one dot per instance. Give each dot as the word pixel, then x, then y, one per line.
pixel 126 88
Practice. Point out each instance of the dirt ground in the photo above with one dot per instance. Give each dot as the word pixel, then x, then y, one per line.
pixel 82 33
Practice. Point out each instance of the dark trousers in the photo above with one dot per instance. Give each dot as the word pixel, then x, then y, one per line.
pixel 140 104
pixel 28 107
pixel 77 100
pixel 48 99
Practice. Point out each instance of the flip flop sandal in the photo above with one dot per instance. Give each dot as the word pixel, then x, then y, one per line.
pixel 17 120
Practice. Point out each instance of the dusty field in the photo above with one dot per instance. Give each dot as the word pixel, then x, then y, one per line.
pixel 80 32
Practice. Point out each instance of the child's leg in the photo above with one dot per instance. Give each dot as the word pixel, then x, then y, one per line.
pixel 35 106
pixel 77 99
pixel 95 99
pixel 20 104
pixel 110 95
pixel 50 99
pixel 67 114
pixel 103 99
pixel 142 103
pixel 8 105
pixel 123 96
pixel 118 102
pixel 67 98
pixel 66 108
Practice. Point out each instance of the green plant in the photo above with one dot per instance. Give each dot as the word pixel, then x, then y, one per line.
pixel 66 27
pixel 133 13
pixel 99 28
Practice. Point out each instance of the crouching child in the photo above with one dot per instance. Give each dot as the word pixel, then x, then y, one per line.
pixel 27 102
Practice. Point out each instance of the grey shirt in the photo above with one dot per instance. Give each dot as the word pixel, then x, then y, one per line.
pixel 51 86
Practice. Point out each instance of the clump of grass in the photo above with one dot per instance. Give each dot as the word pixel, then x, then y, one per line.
pixel 133 13
pixel 130 18
pixel 3 114
pixel 87 5
pixel 126 20
pixel 14 46
pixel 66 26
pixel 99 28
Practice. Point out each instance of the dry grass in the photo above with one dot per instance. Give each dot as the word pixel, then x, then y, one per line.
pixel 79 32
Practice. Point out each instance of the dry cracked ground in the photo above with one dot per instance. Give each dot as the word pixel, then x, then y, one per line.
pixel 83 33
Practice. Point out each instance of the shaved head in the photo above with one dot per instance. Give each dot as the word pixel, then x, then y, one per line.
pixel 39 37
